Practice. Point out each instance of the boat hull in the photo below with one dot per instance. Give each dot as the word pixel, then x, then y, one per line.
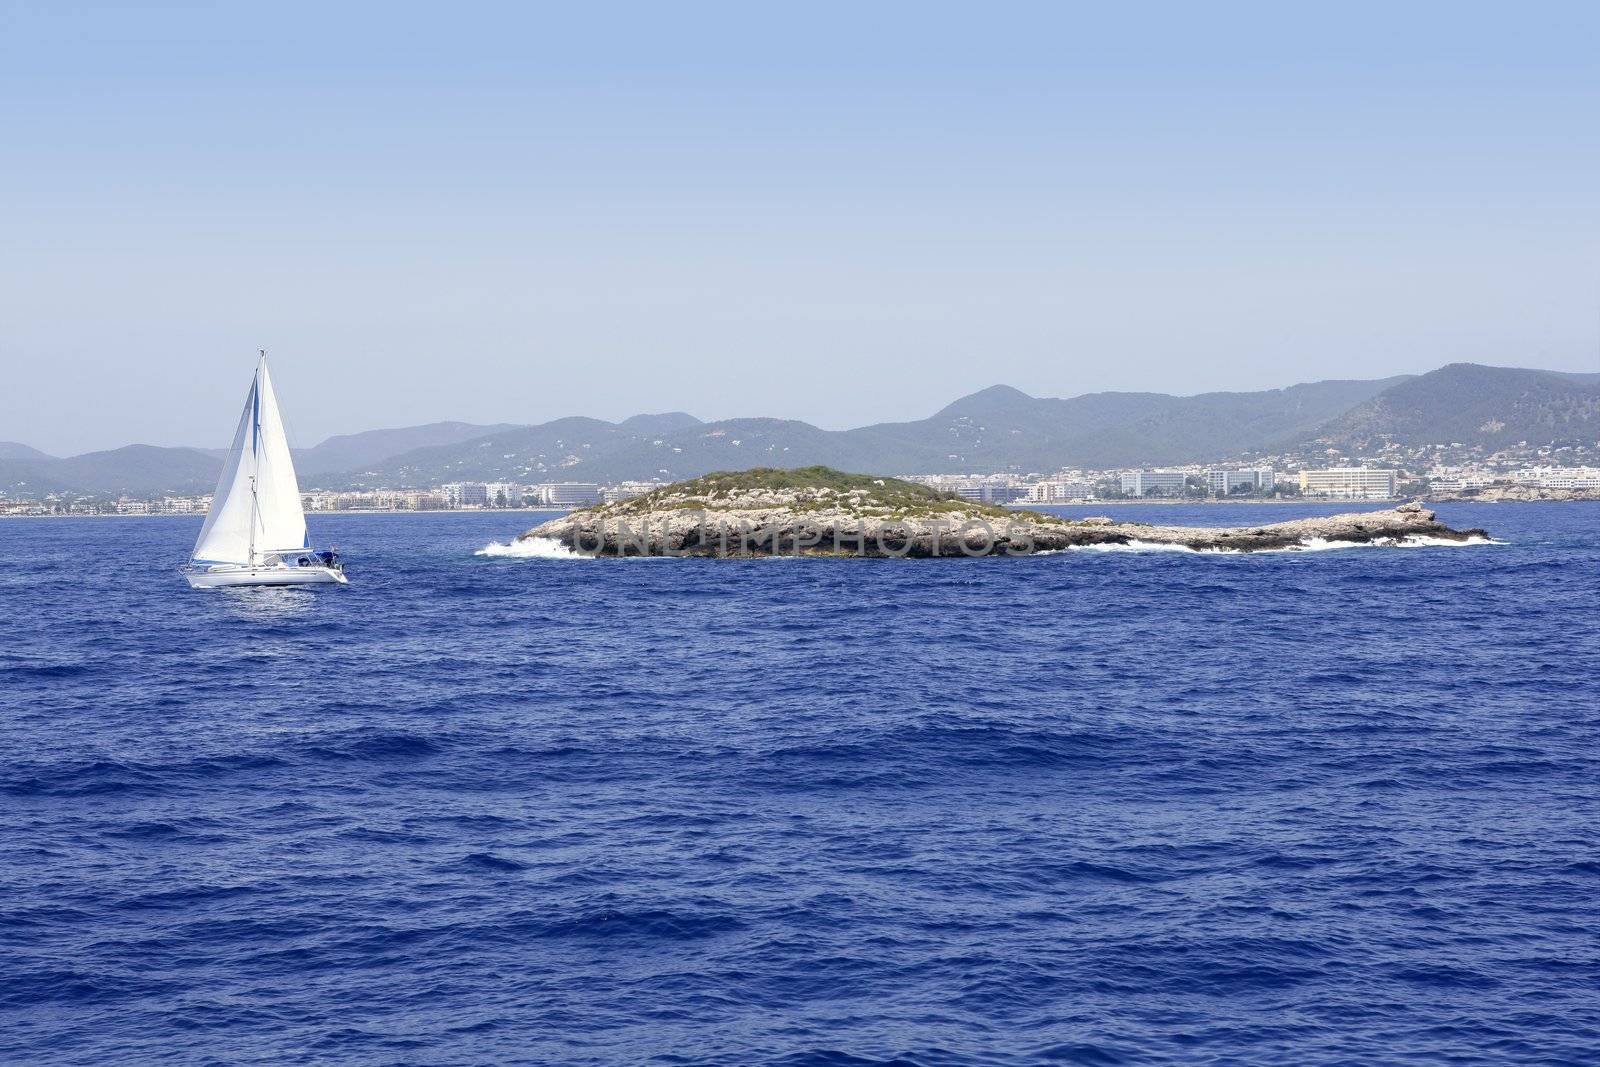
pixel 235 577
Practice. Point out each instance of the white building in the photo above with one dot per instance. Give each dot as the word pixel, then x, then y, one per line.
pixel 627 490
pixel 503 494
pixel 1055 491
pixel 1456 483
pixel 1349 483
pixel 566 494
pixel 1227 482
pixel 1154 483
pixel 991 493
pixel 1559 477
pixel 980 488
pixel 465 494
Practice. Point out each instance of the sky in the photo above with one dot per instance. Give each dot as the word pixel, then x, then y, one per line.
pixel 838 212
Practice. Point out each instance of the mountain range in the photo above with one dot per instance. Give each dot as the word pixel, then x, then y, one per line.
pixel 995 430
pixel 1484 407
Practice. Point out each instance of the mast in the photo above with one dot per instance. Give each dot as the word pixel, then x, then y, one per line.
pixel 255 508
pixel 255 456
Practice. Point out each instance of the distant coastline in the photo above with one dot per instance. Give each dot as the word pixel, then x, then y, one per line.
pixel 200 516
pixel 1166 502
pixel 1464 424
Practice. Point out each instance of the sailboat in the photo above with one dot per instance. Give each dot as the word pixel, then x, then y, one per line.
pixel 256 519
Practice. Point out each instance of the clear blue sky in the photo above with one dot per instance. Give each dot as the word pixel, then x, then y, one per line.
pixel 837 212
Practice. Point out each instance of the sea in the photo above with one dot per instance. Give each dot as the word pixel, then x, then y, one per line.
pixel 1333 807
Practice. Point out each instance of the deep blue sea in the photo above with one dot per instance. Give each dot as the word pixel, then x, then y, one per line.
pixel 1090 808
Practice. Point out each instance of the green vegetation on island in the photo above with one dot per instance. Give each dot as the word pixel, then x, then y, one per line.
pixel 808 489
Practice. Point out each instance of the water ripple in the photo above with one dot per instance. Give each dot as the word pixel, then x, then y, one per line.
pixel 1094 808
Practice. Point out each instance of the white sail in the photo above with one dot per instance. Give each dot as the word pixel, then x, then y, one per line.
pixel 225 537
pixel 256 511
pixel 282 518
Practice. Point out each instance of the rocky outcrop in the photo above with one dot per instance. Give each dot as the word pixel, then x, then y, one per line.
pixel 883 520
pixel 1496 494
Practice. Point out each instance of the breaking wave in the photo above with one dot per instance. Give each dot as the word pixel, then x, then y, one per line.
pixel 1314 544
pixel 1318 544
pixel 1137 546
pixel 529 548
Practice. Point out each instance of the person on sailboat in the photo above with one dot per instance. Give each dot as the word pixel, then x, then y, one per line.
pixel 330 558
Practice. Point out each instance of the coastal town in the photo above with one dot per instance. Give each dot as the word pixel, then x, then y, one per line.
pixel 1193 483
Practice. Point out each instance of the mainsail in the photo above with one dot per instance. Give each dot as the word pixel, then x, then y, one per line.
pixel 256 511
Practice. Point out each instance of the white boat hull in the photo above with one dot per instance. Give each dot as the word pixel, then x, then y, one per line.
pixel 233 577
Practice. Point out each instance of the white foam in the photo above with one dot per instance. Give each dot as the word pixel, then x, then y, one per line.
pixel 529 548
pixel 1143 546
pixel 1318 544
pixel 550 548
pixel 1314 544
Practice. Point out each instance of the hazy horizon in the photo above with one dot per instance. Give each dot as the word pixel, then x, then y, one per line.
pixel 508 214
pixel 298 443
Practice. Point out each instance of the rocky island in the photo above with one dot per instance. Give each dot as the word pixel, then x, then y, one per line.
pixel 818 511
